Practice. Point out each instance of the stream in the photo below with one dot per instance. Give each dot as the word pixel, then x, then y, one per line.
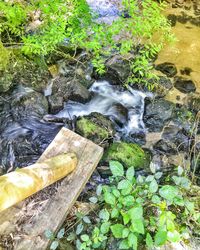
pixel 30 120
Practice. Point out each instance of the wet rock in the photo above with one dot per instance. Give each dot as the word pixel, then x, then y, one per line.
pixel 27 102
pixel 157 114
pixel 70 89
pixel 129 154
pixel 118 68
pixel 167 68
pixel 95 127
pixel 117 71
pixel 56 103
pixel 32 75
pixel 81 69
pixel 172 18
pixel 192 101
pixel 177 137
pixel 165 147
pixel 184 85
pixel 186 71
pixel 164 85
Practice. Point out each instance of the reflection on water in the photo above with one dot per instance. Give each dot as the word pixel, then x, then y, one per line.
pixel 185 52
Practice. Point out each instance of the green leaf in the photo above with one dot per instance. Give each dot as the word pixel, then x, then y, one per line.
pixel 124 244
pixel 153 187
pixel 173 236
pixel 160 238
pixel 117 230
pixel 155 199
pixel 105 227
pixel 116 193
pixel 99 190
pixel 114 213
pixel 85 237
pixel 49 234
pixel 138 226
pixel 54 245
pixel 152 167
pixel 130 173
pixel 149 241
pixel 125 233
pixel 128 200
pixel 136 212
pixel 168 192
pixel 104 215
pixel 158 175
pixel 93 199
pixel 116 168
pixel 126 218
pixel 61 233
pixel 178 200
pixel 132 241
pixel 189 205
pixel 71 236
pixel 79 229
pixel 185 183
pixel 176 179
pixel 149 178
pixel 180 170
pixel 125 186
pixel 109 198
pixel 87 220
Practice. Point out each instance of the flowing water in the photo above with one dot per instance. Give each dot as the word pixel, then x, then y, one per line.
pixel 31 134
pixel 107 100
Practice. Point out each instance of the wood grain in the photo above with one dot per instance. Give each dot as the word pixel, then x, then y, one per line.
pixel 31 232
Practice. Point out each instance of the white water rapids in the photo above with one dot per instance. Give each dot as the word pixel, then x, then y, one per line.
pixel 109 101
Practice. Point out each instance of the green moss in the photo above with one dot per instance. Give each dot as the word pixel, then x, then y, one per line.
pixel 90 130
pixel 129 154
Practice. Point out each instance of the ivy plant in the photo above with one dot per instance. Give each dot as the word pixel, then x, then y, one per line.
pixel 137 211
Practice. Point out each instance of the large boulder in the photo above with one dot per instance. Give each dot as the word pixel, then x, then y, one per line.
pixel 96 127
pixel 129 154
pixel 70 89
pixel 26 102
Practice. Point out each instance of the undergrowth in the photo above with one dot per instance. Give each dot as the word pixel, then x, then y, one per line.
pixel 136 211
pixel 38 27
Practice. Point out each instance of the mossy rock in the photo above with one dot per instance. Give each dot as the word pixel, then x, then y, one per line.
pixel 95 127
pixel 129 154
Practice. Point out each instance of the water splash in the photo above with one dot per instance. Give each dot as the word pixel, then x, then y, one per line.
pixel 111 101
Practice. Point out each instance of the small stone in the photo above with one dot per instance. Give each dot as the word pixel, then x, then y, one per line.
pixel 184 85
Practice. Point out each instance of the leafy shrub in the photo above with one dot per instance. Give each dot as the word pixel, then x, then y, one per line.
pixel 138 211
pixel 40 26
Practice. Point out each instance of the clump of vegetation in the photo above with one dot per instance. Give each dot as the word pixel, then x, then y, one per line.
pixel 38 27
pixel 136 211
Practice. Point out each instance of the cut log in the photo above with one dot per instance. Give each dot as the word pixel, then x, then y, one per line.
pixel 23 227
pixel 20 184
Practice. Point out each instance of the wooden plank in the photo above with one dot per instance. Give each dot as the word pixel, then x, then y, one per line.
pixel 30 229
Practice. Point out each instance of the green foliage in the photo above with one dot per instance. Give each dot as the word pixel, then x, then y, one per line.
pixel 55 238
pixel 138 211
pixel 40 26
